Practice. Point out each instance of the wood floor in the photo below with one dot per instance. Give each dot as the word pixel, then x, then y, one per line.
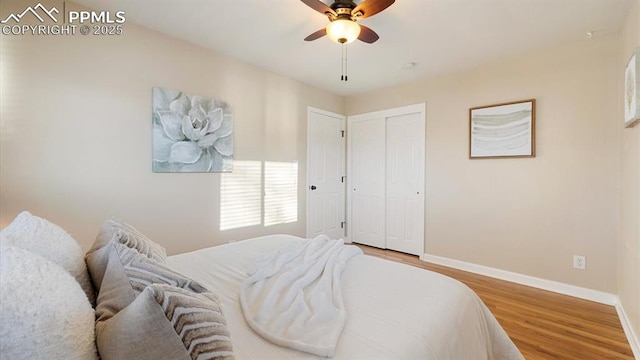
pixel 542 324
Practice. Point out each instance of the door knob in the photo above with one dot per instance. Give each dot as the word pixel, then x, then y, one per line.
pixel 312 187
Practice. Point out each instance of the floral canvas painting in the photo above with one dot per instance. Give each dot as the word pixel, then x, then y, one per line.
pixel 191 133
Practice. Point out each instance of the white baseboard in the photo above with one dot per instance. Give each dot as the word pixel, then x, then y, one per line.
pixel 549 285
pixel 634 341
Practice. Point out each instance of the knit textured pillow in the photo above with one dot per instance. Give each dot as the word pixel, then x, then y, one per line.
pixel 44 314
pixel 166 322
pixel 117 231
pixel 127 274
pixel 50 241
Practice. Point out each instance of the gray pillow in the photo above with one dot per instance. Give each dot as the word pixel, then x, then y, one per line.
pixel 127 274
pixel 117 231
pixel 166 322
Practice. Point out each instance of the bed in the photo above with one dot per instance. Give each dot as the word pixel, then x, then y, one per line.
pixel 394 311
pixel 125 299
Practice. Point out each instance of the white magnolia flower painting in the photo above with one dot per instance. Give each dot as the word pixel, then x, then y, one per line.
pixel 191 133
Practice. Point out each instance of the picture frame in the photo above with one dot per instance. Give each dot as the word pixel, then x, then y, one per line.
pixel 191 133
pixel 632 90
pixel 505 130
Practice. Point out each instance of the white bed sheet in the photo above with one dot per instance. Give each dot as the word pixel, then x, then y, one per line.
pixel 394 311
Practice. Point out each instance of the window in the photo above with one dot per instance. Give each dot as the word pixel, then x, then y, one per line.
pixel 241 194
pixel 280 193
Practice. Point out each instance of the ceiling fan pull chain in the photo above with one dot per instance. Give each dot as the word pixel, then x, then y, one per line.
pixel 342 63
pixel 346 69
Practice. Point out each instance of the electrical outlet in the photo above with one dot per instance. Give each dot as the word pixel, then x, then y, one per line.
pixel 579 262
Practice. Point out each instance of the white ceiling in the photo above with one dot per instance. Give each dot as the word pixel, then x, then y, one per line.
pixel 440 36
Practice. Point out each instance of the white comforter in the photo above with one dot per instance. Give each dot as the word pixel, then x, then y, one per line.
pixel 293 297
pixel 393 311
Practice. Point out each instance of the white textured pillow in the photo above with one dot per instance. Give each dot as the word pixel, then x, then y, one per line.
pixel 44 314
pixel 44 238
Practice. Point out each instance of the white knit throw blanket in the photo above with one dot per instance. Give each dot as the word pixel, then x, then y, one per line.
pixel 293 297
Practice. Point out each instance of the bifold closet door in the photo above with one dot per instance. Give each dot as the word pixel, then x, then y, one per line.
pixel 367 181
pixel 405 183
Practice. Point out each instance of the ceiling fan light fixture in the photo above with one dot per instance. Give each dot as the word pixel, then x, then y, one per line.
pixel 343 31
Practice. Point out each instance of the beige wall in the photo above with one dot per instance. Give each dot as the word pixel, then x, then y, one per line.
pixel 76 132
pixel 76 147
pixel 529 216
pixel 629 249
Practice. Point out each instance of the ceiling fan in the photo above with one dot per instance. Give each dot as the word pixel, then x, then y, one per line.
pixel 343 15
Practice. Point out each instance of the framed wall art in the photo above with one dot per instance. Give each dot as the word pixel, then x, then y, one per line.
pixel 503 130
pixel 631 91
pixel 191 133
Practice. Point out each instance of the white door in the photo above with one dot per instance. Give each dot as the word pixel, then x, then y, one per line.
pixel 366 181
pixel 325 174
pixel 385 172
pixel 405 183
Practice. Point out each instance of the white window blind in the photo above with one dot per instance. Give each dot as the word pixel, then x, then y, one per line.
pixel 280 192
pixel 241 195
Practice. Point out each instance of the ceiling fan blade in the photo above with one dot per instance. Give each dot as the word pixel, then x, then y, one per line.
pixel 367 35
pixel 316 35
pixel 371 7
pixel 319 6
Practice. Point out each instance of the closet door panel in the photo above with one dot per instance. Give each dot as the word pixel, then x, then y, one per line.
pixel 405 183
pixel 367 183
